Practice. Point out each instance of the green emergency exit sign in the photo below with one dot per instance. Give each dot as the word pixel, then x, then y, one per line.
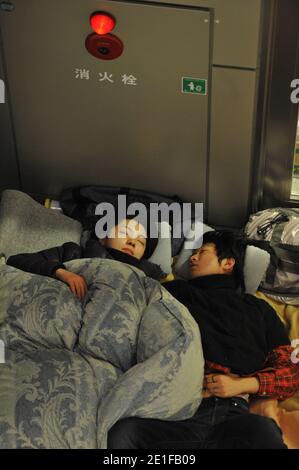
pixel 197 86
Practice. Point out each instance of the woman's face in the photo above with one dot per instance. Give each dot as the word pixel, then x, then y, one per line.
pixel 129 237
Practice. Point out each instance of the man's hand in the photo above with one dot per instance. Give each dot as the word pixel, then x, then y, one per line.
pixel 75 282
pixel 226 386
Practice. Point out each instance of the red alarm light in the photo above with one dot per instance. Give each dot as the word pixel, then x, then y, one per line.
pixel 102 23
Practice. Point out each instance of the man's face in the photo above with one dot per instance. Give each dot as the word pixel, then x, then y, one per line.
pixel 204 261
pixel 129 237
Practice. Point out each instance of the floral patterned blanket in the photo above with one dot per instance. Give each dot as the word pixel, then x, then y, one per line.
pixel 70 369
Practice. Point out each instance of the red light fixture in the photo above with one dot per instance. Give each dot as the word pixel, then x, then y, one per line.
pixel 102 23
pixel 105 47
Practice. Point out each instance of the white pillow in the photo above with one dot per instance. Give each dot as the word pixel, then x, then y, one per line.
pixel 162 253
pixel 255 265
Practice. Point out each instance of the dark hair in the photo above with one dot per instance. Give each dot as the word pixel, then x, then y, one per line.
pixel 229 245
pixel 151 242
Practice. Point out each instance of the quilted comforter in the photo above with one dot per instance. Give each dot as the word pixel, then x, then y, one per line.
pixel 72 368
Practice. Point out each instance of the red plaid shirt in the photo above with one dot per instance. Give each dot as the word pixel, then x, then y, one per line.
pixel 279 379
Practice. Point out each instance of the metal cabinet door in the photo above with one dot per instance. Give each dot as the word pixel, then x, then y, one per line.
pixel 237 27
pixel 80 120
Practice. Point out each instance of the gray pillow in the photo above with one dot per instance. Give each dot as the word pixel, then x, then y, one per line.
pixel 26 226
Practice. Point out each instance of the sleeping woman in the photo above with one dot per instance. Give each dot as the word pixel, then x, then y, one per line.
pixel 127 242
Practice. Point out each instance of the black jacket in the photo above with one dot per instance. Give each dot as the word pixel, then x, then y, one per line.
pixel 46 262
pixel 238 330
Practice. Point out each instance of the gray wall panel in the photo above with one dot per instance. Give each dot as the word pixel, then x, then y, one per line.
pixel 72 132
pixel 233 98
pixel 8 165
pixel 237 30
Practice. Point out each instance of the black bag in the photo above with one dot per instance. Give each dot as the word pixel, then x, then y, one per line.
pixel 80 203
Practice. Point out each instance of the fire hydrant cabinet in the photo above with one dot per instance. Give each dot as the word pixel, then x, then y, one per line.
pixel 166 100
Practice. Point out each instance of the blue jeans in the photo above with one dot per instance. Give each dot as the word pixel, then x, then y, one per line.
pixel 219 423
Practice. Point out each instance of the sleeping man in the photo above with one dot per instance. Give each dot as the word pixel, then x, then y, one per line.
pixel 127 242
pixel 247 354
